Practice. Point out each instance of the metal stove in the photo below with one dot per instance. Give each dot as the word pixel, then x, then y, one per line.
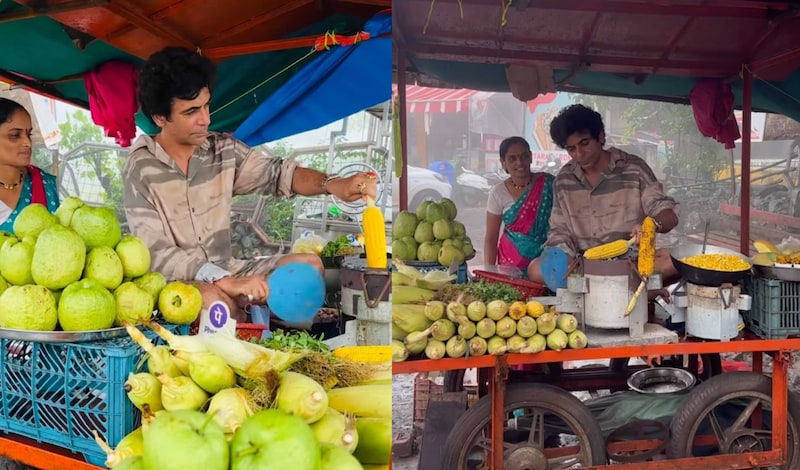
pixel 708 312
pixel 707 301
pixel 365 299
pixel 600 295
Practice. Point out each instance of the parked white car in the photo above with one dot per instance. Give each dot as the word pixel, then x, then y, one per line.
pixel 423 185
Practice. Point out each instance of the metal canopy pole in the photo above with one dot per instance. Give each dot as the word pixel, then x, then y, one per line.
pixel 744 202
pixel 401 93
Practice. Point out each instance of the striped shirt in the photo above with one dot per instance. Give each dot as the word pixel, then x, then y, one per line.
pixel 185 220
pixel 584 216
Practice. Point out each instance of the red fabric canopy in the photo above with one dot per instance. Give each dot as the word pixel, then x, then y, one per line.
pixel 436 100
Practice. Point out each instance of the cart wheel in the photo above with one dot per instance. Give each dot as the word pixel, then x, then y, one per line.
pixel 712 365
pixel 546 428
pixel 454 379
pixel 721 408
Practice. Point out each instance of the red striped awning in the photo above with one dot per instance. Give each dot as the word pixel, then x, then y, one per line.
pixel 436 100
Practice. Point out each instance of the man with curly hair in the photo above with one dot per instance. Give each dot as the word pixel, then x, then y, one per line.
pixel 179 184
pixel 602 194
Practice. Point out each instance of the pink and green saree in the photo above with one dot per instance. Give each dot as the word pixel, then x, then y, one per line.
pixel 526 224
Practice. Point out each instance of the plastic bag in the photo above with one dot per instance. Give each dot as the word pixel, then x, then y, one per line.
pixel 789 245
pixel 309 242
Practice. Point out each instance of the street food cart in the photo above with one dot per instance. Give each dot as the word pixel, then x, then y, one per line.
pixel 637 50
pixel 258 48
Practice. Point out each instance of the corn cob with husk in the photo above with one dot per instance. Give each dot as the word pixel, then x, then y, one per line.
pixel 371 401
pixel 646 262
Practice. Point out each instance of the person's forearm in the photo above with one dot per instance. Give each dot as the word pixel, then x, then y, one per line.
pixel 668 220
pixel 489 252
pixel 308 182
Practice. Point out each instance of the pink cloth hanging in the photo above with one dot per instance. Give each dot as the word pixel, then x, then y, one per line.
pixel 712 104
pixel 112 99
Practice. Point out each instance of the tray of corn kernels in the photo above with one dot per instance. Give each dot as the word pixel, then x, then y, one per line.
pixel 773 263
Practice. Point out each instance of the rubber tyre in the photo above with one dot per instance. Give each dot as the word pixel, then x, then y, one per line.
pixel 425 195
pixel 478 416
pixel 473 198
pixel 454 380
pixel 704 395
pixel 712 365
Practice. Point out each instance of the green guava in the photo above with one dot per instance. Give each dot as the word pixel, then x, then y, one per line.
pixel 459 231
pixel 274 440
pixel 98 226
pixel 32 220
pixel 86 305
pixel 182 440
pixel 401 250
pixel 427 251
pixel 15 261
pixel 58 258
pixel 422 209
pixel 134 304
pixel 412 244
pixel 434 212
pixel 404 225
pixel 424 232
pixel 180 303
pixel 103 265
pixel 28 307
pixel 449 255
pixel 450 209
pixel 66 209
pixel 442 229
pixel 467 249
pixel 151 282
pixel 135 256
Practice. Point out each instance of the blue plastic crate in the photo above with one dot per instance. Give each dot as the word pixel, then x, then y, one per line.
pixel 775 312
pixel 60 392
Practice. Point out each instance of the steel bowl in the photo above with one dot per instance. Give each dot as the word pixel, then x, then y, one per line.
pixel 706 277
pixel 62 336
pixel 661 380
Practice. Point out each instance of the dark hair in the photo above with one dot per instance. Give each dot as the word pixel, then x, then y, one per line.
pixel 509 141
pixel 575 118
pixel 7 108
pixel 173 73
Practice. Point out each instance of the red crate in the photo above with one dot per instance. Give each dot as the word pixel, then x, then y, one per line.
pixel 248 331
pixel 525 287
pixel 425 389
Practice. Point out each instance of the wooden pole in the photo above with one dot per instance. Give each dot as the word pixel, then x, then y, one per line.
pixel 747 102
pixel 401 93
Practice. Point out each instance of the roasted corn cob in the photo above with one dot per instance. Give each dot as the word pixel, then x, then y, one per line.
pixel 647 257
pixel 608 250
pixel 647 247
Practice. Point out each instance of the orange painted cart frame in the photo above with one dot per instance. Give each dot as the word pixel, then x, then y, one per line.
pixel 40 454
pixel 779 350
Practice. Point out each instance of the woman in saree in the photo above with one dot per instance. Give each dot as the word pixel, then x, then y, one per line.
pixel 518 210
